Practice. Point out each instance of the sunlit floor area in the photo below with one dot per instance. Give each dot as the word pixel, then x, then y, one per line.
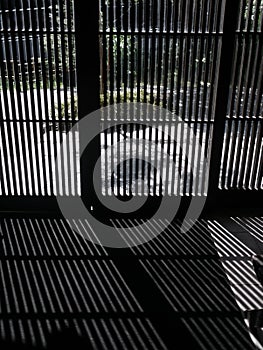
pixel 194 290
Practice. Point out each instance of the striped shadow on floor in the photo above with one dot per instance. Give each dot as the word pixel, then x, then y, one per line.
pixel 59 287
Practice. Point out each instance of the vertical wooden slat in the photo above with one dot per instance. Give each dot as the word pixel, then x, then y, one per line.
pixel 194 95
pixel 173 59
pixel 5 116
pixel 139 58
pixel 160 56
pixel 104 78
pixel 12 129
pixel 37 92
pixel 145 51
pixel 117 20
pixel 135 54
pixel 241 152
pixel 44 79
pixel 18 114
pixel 167 47
pixel 56 44
pixel 111 56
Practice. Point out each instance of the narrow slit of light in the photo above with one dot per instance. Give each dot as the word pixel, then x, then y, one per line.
pixel 124 238
pixel 221 331
pixel 161 344
pixel 129 239
pixel 4 187
pixel 127 333
pixel 21 237
pixel 258 222
pixel 97 239
pixel 17 307
pixel 203 239
pixel 252 336
pixel 250 222
pixel 181 239
pixel 221 294
pixel 21 331
pixel 200 243
pixel 122 288
pixel 137 333
pixel 251 179
pixel 260 178
pixel 108 334
pixel 49 237
pixel 41 333
pixel 85 288
pixel 144 235
pixel 61 236
pixel 46 289
pixel 246 225
pixel 110 286
pixel 12 330
pixel 15 238
pixel 60 285
pixel 215 295
pixel 198 295
pixel 5 293
pixel 105 293
pixel 38 232
pixel 232 242
pixel 35 285
pixel 28 236
pixel 138 238
pixel 233 332
pixel 242 271
pixel 87 234
pixel 117 333
pixel 123 282
pixel 88 277
pixel 223 246
pixel 9 239
pixel 9 161
pixel 168 241
pixel 165 246
pixel 198 333
pixel 176 240
pixel 81 233
pixel 50 279
pixel 70 285
pixel 162 286
pixel 54 237
pixel 249 150
pixel 154 245
pixel 213 333
pixel 248 298
pixel 182 285
pixel 254 176
pixel 16 161
pixel 242 157
pixel 77 241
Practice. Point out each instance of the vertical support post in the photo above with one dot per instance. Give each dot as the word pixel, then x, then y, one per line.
pixel 227 54
pixel 88 84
